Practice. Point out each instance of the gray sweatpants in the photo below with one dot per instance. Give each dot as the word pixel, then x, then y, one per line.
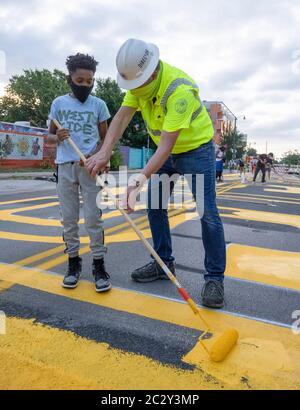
pixel 73 178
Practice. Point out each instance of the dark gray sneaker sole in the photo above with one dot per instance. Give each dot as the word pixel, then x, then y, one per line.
pixel 149 280
pixel 106 289
pixel 69 286
pixel 212 305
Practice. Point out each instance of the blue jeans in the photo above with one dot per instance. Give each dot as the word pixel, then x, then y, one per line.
pixel 199 161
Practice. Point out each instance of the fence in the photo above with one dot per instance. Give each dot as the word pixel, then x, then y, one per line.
pixel 135 158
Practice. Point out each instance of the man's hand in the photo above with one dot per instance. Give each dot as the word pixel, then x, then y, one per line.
pixel 62 134
pixel 131 193
pixel 97 163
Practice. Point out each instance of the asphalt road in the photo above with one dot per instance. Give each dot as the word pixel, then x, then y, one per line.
pixel 145 331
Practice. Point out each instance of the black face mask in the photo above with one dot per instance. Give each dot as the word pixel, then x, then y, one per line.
pixel 81 92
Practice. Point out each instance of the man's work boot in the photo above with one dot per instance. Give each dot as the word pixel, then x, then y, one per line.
pixel 151 272
pixel 213 294
pixel 73 273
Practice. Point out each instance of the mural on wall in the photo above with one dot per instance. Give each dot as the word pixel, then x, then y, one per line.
pixel 18 146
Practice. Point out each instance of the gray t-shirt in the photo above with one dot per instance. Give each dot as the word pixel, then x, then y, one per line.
pixel 82 119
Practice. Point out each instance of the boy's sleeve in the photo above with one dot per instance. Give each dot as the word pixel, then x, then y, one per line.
pixel 130 101
pixel 180 108
pixel 53 111
pixel 104 113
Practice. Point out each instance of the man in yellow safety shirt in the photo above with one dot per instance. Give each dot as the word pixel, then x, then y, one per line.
pixel 180 126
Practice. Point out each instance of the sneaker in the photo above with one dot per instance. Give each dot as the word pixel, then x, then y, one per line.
pixel 73 273
pixel 102 283
pixel 213 294
pixel 151 272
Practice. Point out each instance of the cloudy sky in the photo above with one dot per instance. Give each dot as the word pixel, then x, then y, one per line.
pixel 243 52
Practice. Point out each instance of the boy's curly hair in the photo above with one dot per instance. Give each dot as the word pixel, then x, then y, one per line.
pixel 80 60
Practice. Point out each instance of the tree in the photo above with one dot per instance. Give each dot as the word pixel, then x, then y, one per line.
pixel 291 158
pixel 252 152
pixel 109 91
pixel 29 96
pixel 235 138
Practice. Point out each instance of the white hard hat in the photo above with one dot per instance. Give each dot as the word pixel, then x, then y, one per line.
pixel 136 62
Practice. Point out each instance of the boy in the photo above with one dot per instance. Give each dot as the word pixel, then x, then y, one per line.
pixel 83 117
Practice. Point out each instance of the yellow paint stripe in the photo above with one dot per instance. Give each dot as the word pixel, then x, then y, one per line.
pixel 268 217
pixel 261 196
pixel 251 198
pixel 282 189
pixel 261 265
pixel 267 337
pixel 5 285
pixel 17 201
pixel 42 255
pixel 40 357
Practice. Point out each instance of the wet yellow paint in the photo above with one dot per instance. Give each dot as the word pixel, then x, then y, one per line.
pixel 283 189
pixel 253 358
pixel 268 217
pixel 262 265
pixel 39 357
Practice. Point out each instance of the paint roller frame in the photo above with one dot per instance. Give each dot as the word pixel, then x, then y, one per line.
pixel 226 341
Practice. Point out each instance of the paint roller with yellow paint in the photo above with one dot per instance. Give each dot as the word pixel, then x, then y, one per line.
pixel 223 345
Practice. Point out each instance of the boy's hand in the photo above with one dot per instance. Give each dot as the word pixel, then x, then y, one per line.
pixel 62 134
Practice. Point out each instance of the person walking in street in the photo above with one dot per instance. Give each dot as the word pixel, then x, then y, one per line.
pixel 180 126
pixel 220 156
pixel 261 167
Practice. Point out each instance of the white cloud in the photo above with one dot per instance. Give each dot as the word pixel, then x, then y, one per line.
pixel 240 52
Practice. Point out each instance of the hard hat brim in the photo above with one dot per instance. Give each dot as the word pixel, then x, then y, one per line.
pixel 138 82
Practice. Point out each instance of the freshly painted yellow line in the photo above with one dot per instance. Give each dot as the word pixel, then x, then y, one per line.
pixel 42 255
pixel 282 189
pixel 268 217
pixel 249 198
pixel 267 266
pixel 43 358
pixel 5 285
pixel 261 196
pixel 253 358
pixel 18 201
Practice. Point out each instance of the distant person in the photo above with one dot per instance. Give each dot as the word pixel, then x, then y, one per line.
pixel 270 165
pixel 261 167
pixel 231 166
pixel 220 156
pixel 241 165
pixel 253 165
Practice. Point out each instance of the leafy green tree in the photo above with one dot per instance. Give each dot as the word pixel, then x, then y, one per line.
pixel 234 138
pixel 291 158
pixel 252 152
pixel 29 96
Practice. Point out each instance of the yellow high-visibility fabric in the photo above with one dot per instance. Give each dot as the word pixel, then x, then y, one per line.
pixel 176 102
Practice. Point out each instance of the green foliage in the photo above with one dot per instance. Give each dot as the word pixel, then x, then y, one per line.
pixel 252 152
pixel 29 96
pixel 109 91
pixel 291 158
pixel 239 140
pixel 116 160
